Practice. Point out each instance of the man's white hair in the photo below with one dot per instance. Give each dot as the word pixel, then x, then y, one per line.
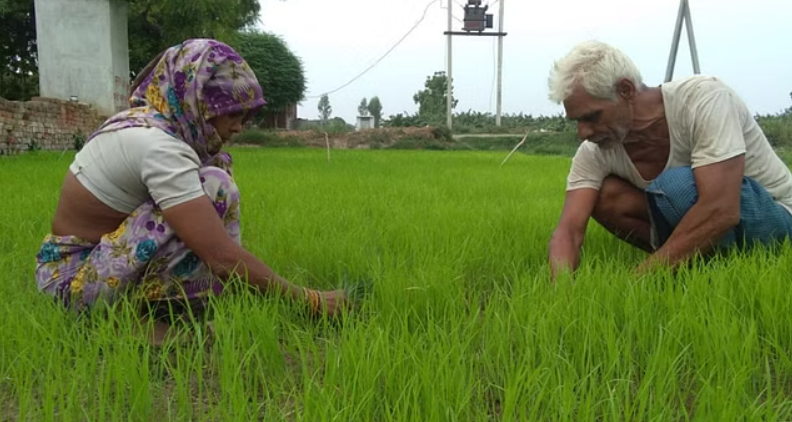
pixel 595 65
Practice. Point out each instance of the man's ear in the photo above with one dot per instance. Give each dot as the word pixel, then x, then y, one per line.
pixel 626 89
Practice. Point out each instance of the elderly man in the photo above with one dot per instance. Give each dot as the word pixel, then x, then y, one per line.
pixel 676 170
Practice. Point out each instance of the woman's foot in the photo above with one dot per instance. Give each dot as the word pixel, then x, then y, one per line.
pixel 158 332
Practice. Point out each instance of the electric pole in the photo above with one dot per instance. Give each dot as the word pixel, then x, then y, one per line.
pixel 500 66
pixel 683 15
pixel 449 71
pixel 476 21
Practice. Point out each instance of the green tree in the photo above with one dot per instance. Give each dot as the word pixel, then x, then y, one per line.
pixel 789 110
pixel 375 108
pixel 155 25
pixel 363 108
pixel 325 109
pixel 18 60
pixel 278 70
pixel 432 101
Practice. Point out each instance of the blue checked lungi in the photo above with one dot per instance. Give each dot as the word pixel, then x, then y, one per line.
pixel 762 219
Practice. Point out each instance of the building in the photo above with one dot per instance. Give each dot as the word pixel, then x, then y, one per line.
pixel 364 122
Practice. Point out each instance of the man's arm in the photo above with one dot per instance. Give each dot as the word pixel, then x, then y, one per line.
pixel 718 161
pixel 716 211
pixel 568 236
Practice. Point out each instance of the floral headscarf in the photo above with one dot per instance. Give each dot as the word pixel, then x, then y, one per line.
pixel 191 83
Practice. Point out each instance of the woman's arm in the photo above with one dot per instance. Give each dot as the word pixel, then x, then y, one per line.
pixel 197 224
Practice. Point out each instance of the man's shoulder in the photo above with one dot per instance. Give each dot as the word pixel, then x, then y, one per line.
pixel 587 149
pixel 693 88
pixel 590 154
pixel 593 151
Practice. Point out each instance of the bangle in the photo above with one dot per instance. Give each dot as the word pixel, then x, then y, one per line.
pixel 314 299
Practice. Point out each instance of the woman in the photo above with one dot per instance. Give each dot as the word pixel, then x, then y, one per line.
pixel 149 207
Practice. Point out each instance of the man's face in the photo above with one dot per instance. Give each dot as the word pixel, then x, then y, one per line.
pixel 606 123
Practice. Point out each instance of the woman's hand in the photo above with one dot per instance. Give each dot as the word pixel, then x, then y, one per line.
pixel 332 302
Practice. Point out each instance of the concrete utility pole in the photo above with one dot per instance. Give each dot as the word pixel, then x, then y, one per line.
pixel 683 15
pixel 476 22
pixel 450 64
pixel 500 66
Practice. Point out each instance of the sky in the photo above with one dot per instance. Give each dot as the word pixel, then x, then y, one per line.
pixel 748 47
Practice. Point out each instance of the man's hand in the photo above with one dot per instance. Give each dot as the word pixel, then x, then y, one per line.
pixel 716 211
pixel 564 253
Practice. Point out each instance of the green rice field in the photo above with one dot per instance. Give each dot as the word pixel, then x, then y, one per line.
pixel 460 322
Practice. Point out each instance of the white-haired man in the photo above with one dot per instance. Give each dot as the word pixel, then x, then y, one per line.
pixel 676 170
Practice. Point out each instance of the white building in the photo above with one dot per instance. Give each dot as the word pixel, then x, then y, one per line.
pixel 364 122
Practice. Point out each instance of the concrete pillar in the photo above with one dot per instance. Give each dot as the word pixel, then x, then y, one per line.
pixel 83 52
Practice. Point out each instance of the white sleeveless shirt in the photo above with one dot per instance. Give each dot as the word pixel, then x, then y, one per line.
pixel 125 168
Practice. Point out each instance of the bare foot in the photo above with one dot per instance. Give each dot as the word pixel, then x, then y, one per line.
pixel 158 333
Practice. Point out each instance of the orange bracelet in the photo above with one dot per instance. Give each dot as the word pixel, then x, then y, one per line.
pixel 314 298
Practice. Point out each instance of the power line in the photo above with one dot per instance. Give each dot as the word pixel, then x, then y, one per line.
pixel 426 10
pixel 454 17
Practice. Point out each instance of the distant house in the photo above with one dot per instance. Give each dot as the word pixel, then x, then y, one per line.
pixel 364 122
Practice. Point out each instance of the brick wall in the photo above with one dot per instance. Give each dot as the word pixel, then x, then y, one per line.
pixel 44 123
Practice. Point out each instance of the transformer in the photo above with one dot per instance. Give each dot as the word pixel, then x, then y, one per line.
pixel 476 17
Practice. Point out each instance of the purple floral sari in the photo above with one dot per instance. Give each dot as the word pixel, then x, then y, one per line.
pixel 192 83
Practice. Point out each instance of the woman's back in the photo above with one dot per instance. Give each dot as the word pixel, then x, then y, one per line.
pixel 117 172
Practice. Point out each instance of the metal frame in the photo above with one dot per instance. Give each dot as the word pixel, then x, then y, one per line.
pixel 476 33
pixel 683 15
pixel 450 67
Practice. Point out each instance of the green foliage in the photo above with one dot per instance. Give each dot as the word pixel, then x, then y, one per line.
pixel 442 132
pixel 363 108
pixel 325 109
pixel 463 323
pixel 18 52
pixel 777 129
pixel 405 120
pixel 477 122
pixel 278 70
pixel 155 25
pixel 33 146
pixel 537 143
pixel 266 138
pixel 335 125
pixel 78 141
pixel 789 110
pixel 432 100
pixel 375 108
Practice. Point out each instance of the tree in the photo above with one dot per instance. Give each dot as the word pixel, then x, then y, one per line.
pixel 154 25
pixel 325 109
pixel 278 70
pixel 432 100
pixel 789 110
pixel 375 108
pixel 18 51
pixel 363 108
